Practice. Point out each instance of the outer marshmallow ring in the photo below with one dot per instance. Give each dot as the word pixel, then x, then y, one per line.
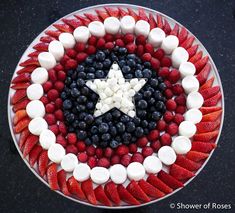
pixel 51 63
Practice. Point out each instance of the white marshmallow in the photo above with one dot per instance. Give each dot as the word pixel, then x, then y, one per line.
pixel 37 125
pixel 156 36
pixel 127 24
pixel 142 28
pixel 181 145
pixel 81 34
pixel 46 60
pixel 187 129
pixel 97 28
pixel 69 161
pixel 194 100
pixel 170 43
pixel 35 109
pixel 39 75
pixel 190 84
pixel 152 164
pixel 56 152
pixel 112 25
pixel 118 173
pixel 187 68
pixel 56 49
pixel 81 172
pixel 135 171
pixel 34 91
pixel 47 138
pixel 167 155
pixel 131 113
pixel 179 55
pixel 67 40
pixel 193 115
pixel 99 175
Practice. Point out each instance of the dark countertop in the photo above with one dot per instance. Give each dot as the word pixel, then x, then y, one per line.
pixel 212 21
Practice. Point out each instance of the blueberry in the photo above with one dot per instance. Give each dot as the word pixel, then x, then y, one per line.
pixel 91 70
pixel 144 123
pixel 147 94
pixel 147 64
pixel 99 65
pixel 85 91
pixel 151 101
pixel 138 96
pixel 139 132
pixel 81 99
pixel 125 118
pixel 113 130
pixel 81 134
pixel 80 82
pixel 116 113
pixel 89 119
pixel 103 144
pixel 68 81
pixel 139 67
pixel 103 128
pixel 70 117
pixel 156 115
pixel 99 74
pixel 94 130
pixel 108 117
pixel 82 125
pixel 147 73
pixel 107 63
pixel 114 57
pixel 152 125
pixel 142 104
pixel 100 56
pixel 75 123
pixel 136 121
pixel 63 95
pixel 126 69
pixel 118 138
pixel 131 63
pixel 126 137
pixel 73 85
pixel 131 56
pixel 157 95
pixel 106 137
pixel 138 74
pixel 154 82
pixel 90 76
pixel 122 63
pixel 80 108
pixel 120 127
pixel 162 86
pixel 141 113
pixel 70 129
pixel 113 144
pixel 89 60
pixel 160 79
pixel 160 106
pixel 130 126
pixel 67 104
pixel 129 76
pixel 122 50
pixel 95 138
pixel 146 131
pixel 88 141
pixel 90 105
pixel 81 75
pixel 82 115
pixel 94 97
pixel 80 68
pixel 75 92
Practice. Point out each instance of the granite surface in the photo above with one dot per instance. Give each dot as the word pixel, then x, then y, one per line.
pixel 212 21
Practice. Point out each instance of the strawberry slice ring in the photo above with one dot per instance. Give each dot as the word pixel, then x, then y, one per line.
pixel 116 106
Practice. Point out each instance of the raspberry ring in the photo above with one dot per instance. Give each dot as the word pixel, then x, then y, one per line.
pixel 154 164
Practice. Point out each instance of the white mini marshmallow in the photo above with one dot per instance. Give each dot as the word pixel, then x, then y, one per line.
pixel 35 109
pixel 167 155
pixel 190 84
pixel 193 115
pixel 81 34
pixel 181 145
pixel 118 173
pixel 187 129
pixel 97 28
pixel 179 55
pixel 81 172
pixel 34 91
pixel 37 125
pixel 67 39
pixel 39 75
pixel 112 25
pixel 156 36
pixel 131 113
pixel 169 44
pixel 127 24
pixel 142 28
pixel 194 100
pixel 69 161
pixel 56 49
pixel 99 175
pixel 152 164
pixel 47 138
pixel 187 68
pixel 135 171
pixel 46 60
pixel 56 152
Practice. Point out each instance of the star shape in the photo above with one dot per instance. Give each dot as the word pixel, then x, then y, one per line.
pixel 116 92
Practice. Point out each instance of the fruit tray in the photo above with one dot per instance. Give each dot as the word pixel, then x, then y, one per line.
pixel 116 106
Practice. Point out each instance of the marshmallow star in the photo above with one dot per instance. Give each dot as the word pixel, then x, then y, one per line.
pixel 116 92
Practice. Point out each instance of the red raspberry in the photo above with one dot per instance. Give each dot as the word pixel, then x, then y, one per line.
pixel 161 125
pixel 59 86
pixel 44 100
pixel 50 108
pixel 164 72
pixel 61 75
pixel 82 157
pixel 72 138
pixel 137 157
pixel 168 93
pixel 71 53
pixel 59 115
pixel 108 37
pixel 166 62
pixel 125 160
pixel 92 162
pixel 90 150
pixel 147 151
pixel 165 139
pixel 153 135
pixel 180 109
pixel 168 116
pixel 140 50
pixel 53 94
pixel 177 89
pixel 108 152
pixel 109 45
pixel 129 38
pixel 122 150
pixel 100 43
pixel 103 162
pixel 120 43
pixel 174 76
pixel 71 64
pixel 47 86
pixel 171 105
pixel 58 103
pixel 50 119
pixel 147 57
pixel 80 47
pixel 140 39
pixel 54 128
pixel 172 129
pixel 62 128
pixel 181 100
pixel 155 63
pixel 81 57
pixel 99 152
pixel 132 148
pixel 92 40
pixel 178 118
pixel 115 159
pixel 155 145
pixel 131 48
pixel 168 84
pixel 142 142
pixel 58 67
pixel 90 49
pixel 149 48
pixel 81 146
pixel 64 59
pixel 52 75
pixel 60 139
pixel 159 54
pixel 72 149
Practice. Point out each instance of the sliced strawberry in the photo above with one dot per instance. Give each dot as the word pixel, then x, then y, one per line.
pixel 213 100
pixel 188 42
pixel 73 22
pixel 24 77
pixel 123 12
pixel 75 188
pixel 126 196
pixel 28 69
pixel 18 95
pixel 61 176
pixel 101 196
pixel 207 126
pixel 204 73
pixel 52 176
pixel 47 39
pixel 183 34
pixel 156 182
pixel 23 136
pixel 205 136
pixel 201 63
pixel 196 57
pixel 30 62
pixel 53 33
pixel 41 46
pixel 43 161
pixel 152 21
pixel 63 27
pixel 112 193
pixel 180 173
pixel 208 110
pixel 159 21
pixel 196 156
pixel 19 86
pixel 34 54
pixel 186 163
pixel 167 27
pixel 92 17
pixel 21 104
pixel 142 15
pixel 204 147
pixel 33 155
pixel 150 190
pixel 175 30
pixel 29 144
pixel 112 11
pixel 133 14
pixel 19 115
pixel 192 50
pixel 87 189
pixel 137 192
pixel 169 180
pixel 21 125
pixel 102 14
pixel 207 84
pixel 83 19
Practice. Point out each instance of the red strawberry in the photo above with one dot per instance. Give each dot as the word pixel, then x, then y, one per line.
pixel 207 84
pixel 122 12
pixel 167 27
pixel 159 21
pixel 175 30
pixel 21 125
pixel 19 115
pixel 186 163
pixel 204 147
pixel 28 69
pixel 74 188
pixel 213 100
pixel 188 42
pixel 43 162
pixel 112 193
pixel 182 36
pixel 23 136
pixel 112 11
pixel 20 86
pixel 133 14
pixel 72 22
pixel 207 110
pixel 150 190
pixel 152 21
pixel 192 50
pixel 61 176
pixel 169 180
pixel 63 28
pixel 21 104
pixel 30 61
pixel 102 14
pixel 41 46
pixel 83 19
pixel 24 77
pixel 33 155
pixel 204 73
pixel 18 95
pixel 87 189
pixel 101 196
pixel 137 192
pixel 207 126
pixel 29 144
pixel 53 33
pixel 201 63
pixel 92 17
pixel 52 176
pixel 196 156
pixel 205 136
pixel 180 173
pixel 126 196
pixel 47 39
pixel 212 116
pixel 142 15
pixel 196 57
